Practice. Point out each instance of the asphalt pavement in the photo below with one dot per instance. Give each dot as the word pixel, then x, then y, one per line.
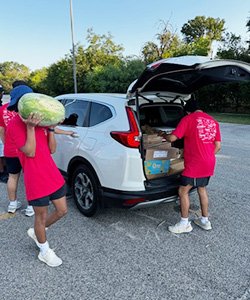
pixel 130 255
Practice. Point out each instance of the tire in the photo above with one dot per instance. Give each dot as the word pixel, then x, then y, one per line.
pixel 85 191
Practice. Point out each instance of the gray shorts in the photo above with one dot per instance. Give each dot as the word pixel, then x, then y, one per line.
pixel 195 182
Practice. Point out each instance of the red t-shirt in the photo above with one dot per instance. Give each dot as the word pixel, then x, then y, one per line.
pixel 5 117
pixel 200 131
pixel 41 175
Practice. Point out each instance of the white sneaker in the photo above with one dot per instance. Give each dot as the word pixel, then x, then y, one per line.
pixel 31 234
pixel 12 207
pixel 50 258
pixel 205 226
pixel 29 211
pixel 180 228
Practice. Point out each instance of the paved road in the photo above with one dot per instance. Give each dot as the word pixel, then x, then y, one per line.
pixel 123 254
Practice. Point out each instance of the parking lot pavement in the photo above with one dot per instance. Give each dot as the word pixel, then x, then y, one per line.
pixel 122 254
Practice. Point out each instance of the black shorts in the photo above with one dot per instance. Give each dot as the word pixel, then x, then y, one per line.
pixel 13 165
pixel 44 201
pixel 196 182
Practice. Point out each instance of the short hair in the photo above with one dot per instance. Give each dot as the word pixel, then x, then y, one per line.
pixel 191 106
pixel 18 82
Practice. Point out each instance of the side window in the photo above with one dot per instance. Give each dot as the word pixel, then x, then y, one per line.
pixel 76 112
pixel 99 113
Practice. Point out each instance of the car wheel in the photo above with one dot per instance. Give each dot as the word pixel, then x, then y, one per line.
pixel 85 191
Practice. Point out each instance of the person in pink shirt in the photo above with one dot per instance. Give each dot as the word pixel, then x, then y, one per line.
pixel 202 140
pixel 12 161
pixel 42 179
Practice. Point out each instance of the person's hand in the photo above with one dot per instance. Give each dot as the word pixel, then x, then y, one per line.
pixel 72 133
pixel 33 120
pixel 161 133
pixel 54 126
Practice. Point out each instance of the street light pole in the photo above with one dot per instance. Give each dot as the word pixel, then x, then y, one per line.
pixel 73 46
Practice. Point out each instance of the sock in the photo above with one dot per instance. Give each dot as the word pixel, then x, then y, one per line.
pixel 204 220
pixel 44 247
pixel 14 203
pixel 184 221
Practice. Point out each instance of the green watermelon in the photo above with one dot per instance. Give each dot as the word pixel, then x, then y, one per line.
pixel 51 109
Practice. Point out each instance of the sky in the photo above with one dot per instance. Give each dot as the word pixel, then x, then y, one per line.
pixel 37 33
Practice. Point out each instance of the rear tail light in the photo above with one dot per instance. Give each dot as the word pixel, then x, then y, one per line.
pixel 129 138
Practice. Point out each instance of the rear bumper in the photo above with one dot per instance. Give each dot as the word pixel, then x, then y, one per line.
pixel 139 199
pixel 159 201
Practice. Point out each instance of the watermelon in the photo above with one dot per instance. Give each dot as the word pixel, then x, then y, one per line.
pixel 51 109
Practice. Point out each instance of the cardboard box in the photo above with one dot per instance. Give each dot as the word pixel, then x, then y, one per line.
pixel 157 160
pixel 162 151
pixel 176 166
pixel 151 139
pixel 156 168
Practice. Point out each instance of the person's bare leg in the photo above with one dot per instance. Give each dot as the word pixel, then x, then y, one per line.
pixel 204 200
pixel 41 213
pixel 184 200
pixel 12 186
pixel 60 210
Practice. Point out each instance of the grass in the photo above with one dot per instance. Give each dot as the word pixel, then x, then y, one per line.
pixel 231 118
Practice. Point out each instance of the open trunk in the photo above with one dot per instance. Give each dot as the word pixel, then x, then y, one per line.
pixel 159 95
pixel 161 160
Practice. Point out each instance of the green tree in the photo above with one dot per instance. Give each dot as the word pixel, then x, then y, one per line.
pixel 209 29
pixel 168 45
pixel 231 47
pixel 36 80
pixel 114 78
pixel 100 51
pixel 59 79
pixel 11 71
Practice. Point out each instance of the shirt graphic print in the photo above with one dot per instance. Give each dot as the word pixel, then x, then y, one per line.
pixel 206 129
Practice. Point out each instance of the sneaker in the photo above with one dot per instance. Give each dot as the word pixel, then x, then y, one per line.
pixel 179 228
pixel 50 258
pixel 205 226
pixel 12 208
pixel 29 211
pixel 31 234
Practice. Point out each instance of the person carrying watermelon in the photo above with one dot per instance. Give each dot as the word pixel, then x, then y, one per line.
pixel 42 179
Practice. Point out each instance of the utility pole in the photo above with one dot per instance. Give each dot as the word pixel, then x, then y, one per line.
pixel 73 46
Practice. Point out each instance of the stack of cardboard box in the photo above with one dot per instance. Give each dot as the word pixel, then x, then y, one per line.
pixel 161 159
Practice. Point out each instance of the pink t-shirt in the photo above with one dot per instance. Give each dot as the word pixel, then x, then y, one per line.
pixel 200 131
pixel 41 175
pixel 5 117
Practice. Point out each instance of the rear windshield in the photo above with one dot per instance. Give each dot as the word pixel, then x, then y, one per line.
pixel 161 115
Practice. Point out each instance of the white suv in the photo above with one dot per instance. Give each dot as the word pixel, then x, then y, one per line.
pixel 106 161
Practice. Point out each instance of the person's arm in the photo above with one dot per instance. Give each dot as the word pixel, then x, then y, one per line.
pixel 51 139
pixel 29 149
pixel 2 133
pixel 217 146
pixel 169 137
pixel 61 131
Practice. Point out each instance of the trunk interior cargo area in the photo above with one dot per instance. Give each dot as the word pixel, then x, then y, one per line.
pixel 161 158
